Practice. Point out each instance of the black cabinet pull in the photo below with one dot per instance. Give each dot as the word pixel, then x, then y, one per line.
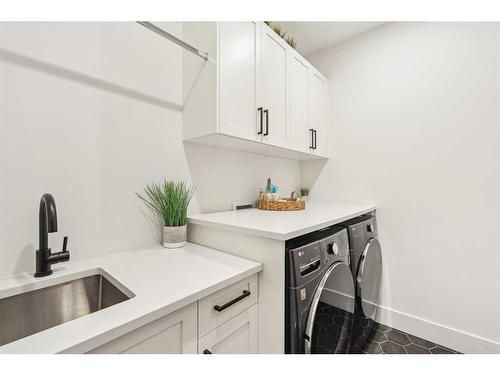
pixel 267 121
pixel 206 351
pixel 219 308
pixel 312 139
pixel 261 119
pixel 315 139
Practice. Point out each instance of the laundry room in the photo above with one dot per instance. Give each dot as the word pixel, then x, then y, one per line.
pixel 256 183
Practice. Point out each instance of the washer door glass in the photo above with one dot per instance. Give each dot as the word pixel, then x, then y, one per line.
pixel 368 278
pixel 330 321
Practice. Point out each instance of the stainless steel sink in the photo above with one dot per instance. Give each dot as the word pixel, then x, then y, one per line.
pixel 27 313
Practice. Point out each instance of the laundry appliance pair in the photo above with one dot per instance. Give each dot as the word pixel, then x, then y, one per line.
pixel 333 281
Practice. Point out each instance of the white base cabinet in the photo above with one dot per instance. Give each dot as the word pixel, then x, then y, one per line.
pixel 237 336
pixel 254 94
pixel 224 322
pixel 243 292
pixel 173 334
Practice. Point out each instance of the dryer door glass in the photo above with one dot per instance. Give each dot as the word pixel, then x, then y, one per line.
pixel 329 325
pixel 368 278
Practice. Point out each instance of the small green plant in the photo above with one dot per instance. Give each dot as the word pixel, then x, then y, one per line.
pixel 169 200
pixel 291 41
pixel 304 192
pixel 277 29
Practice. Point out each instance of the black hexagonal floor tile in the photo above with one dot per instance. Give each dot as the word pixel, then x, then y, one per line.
pixel 370 337
pixel 383 339
pixel 373 348
pixel 421 342
pixel 383 328
pixel 442 350
pixel 390 347
pixel 416 349
pixel 398 337
pixel 379 337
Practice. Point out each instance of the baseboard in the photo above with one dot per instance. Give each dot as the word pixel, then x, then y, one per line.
pixel 446 336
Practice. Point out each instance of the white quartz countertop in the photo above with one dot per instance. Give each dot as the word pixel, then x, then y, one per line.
pixel 282 225
pixel 160 281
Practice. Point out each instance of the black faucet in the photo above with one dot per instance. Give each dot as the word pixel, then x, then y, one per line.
pixel 48 224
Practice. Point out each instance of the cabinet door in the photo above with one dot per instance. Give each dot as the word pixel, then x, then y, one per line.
pixel 318 112
pixel 237 336
pixel 299 104
pixel 274 88
pixel 239 46
pixel 172 334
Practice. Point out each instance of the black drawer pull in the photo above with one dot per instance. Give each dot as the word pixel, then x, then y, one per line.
pixel 261 119
pixel 206 351
pixel 312 139
pixel 266 112
pixel 219 308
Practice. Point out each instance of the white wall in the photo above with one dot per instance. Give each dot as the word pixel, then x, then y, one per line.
pixel 91 112
pixel 416 130
pixel 223 176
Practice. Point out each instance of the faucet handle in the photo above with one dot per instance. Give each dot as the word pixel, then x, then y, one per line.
pixel 65 244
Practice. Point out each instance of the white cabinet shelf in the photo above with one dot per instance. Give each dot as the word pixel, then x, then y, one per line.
pixel 255 94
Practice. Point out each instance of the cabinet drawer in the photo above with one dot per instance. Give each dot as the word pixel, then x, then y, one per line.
pixel 237 336
pixel 219 307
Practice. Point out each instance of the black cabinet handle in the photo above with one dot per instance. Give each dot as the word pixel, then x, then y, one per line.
pixel 206 351
pixel 315 138
pixel 219 308
pixel 312 139
pixel 267 121
pixel 261 119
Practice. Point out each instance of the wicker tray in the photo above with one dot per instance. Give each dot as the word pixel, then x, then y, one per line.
pixel 281 205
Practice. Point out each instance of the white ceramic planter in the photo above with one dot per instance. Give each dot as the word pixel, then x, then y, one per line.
pixel 174 237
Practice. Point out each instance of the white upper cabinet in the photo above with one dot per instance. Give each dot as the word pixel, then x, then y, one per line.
pixel 274 88
pixel 318 113
pixel 301 137
pixel 254 94
pixel 238 57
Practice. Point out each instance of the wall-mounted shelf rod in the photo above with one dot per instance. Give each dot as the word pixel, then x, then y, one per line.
pixel 165 34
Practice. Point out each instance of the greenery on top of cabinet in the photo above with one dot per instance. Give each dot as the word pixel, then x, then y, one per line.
pixel 277 29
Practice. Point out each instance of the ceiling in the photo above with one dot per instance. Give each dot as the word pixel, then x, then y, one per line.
pixel 314 36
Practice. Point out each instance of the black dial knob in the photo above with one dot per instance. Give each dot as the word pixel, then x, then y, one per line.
pixel 332 248
pixel 329 248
